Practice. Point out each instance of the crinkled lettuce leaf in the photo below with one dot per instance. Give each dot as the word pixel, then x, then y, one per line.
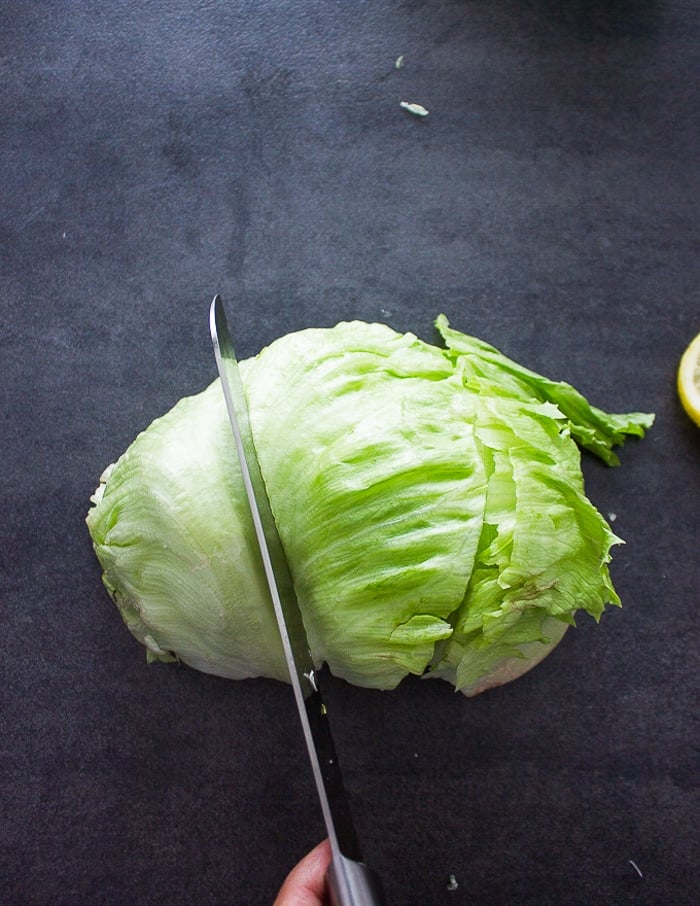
pixel 366 441
pixel 489 370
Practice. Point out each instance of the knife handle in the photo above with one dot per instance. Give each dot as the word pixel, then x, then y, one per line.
pixel 352 883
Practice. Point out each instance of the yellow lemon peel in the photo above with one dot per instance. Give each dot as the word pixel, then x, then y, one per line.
pixel 689 380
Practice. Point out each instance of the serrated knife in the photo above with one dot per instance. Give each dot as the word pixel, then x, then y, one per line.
pixel 349 881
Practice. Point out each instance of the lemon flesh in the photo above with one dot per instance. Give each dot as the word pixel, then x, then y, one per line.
pixel 689 380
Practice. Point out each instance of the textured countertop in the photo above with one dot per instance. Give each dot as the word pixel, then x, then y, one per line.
pixel 155 153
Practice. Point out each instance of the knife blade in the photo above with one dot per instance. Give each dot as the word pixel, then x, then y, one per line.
pixel 350 881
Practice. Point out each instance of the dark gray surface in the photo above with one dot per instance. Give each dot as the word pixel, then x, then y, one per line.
pixel 155 153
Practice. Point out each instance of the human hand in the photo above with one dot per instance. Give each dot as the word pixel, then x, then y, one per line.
pixel 306 882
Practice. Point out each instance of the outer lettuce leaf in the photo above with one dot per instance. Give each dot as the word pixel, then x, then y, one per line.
pixel 174 536
pixel 430 502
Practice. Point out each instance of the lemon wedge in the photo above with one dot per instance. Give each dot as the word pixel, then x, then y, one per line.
pixel 689 380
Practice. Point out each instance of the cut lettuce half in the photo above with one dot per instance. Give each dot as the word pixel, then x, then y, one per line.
pixel 430 502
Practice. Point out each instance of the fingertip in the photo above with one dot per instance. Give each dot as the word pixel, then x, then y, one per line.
pixel 305 884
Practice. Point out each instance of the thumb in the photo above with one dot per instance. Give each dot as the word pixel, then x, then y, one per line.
pixel 306 883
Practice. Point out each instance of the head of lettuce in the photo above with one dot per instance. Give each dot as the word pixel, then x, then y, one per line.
pixel 430 502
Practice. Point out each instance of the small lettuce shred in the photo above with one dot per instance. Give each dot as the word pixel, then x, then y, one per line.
pixel 430 502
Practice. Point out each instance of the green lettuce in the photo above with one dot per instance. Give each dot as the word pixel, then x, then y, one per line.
pixel 430 502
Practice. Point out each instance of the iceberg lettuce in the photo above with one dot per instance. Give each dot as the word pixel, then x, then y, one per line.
pixel 430 502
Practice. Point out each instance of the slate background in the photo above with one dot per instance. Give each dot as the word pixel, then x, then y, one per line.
pixel 154 153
